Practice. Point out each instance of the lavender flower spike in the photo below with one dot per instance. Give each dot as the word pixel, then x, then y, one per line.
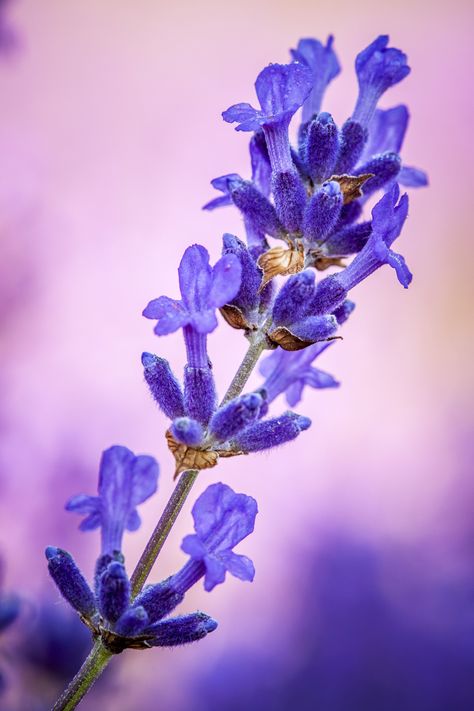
pixel 222 519
pixel 378 67
pixel 125 480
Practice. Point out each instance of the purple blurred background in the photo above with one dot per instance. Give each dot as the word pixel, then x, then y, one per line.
pixel 110 132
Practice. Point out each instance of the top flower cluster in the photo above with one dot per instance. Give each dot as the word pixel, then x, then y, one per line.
pixel 311 198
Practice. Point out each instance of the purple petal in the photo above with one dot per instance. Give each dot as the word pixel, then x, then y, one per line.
pixel 133 521
pixel 397 262
pixel 243 114
pixel 170 313
pixel 145 472
pixel 412 177
pixel 223 518
pixel 238 565
pixel 193 545
pixel 83 504
pixel 215 572
pixel 386 131
pixel 204 321
pixel 222 182
pixel 220 201
pixel 316 378
pixel 324 66
pixel 195 277
pixel 226 276
pixel 92 522
pixel 283 88
pixel 294 393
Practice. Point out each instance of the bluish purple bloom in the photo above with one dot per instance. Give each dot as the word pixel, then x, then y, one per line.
pixel 119 622
pixel 320 147
pixel 222 519
pixel 290 371
pixel 322 212
pixel 272 433
pixel 163 385
pixel 203 290
pixel 388 218
pixel 324 65
pixel 378 67
pixel 368 143
pixel 387 131
pixel 125 481
pixel 187 431
pixel 235 416
pixel 70 581
pixel 352 139
pixel 254 206
pixel 281 90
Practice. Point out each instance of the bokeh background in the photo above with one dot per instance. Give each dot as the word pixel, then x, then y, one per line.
pixel 110 132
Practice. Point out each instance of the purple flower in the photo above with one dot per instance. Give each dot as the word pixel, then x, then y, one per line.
pixel 272 433
pixel 163 385
pixel 386 134
pixel 222 519
pixel 388 218
pixel 71 583
pixel 322 212
pixel 324 66
pixel 110 613
pixel 203 290
pixel 254 206
pixel 235 416
pixel 281 90
pixel 290 371
pixel 125 480
pixel 378 67
pixel 320 147
pixel 181 630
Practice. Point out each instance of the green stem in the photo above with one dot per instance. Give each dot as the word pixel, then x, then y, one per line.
pixel 161 532
pixel 87 675
pixel 99 656
pixel 256 348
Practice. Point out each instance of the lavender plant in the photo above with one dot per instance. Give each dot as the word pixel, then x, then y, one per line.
pixel 310 198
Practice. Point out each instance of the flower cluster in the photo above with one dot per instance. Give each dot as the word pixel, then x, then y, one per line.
pixel 311 198
pixel 201 431
pixel 222 519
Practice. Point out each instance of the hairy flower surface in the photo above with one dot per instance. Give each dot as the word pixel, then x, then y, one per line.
pixel 222 519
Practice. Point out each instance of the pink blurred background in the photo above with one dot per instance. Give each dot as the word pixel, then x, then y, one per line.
pixel 110 132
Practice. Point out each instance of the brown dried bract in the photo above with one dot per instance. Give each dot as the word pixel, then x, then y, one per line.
pixel 235 318
pixel 321 262
pixel 279 261
pixel 287 340
pixel 116 644
pixel 189 458
pixel 351 185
